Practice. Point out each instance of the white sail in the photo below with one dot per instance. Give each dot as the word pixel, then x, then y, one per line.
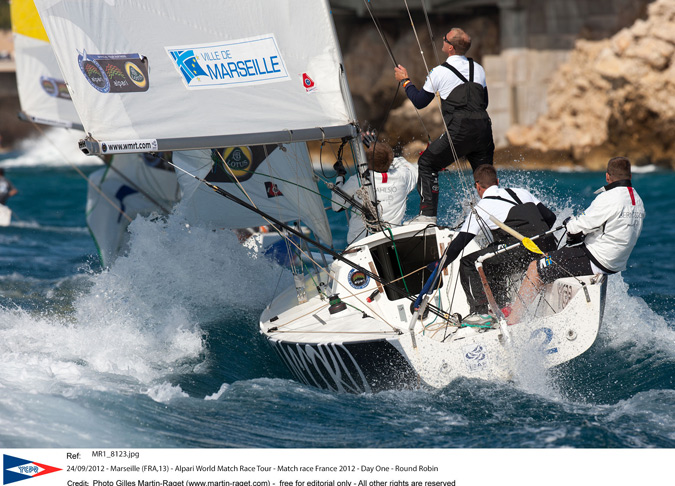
pixel 131 185
pixel 274 179
pixel 43 93
pixel 177 74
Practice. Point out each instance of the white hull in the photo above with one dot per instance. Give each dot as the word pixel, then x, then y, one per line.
pixel 346 351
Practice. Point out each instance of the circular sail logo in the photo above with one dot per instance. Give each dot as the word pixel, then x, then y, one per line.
pixel 94 73
pixel 49 86
pixel 358 279
pixel 238 159
pixel 135 75
pixel 115 73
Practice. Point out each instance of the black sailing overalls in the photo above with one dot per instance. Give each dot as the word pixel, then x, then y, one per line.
pixel 470 128
pixel 526 220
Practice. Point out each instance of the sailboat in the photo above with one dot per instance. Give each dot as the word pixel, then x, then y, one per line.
pixel 130 184
pixel 208 79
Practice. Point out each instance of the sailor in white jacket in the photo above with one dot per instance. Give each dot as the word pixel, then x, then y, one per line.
pixel 599 241
pixel 393 178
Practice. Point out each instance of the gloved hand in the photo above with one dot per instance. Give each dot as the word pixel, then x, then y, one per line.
pixel 574 238
pixel 339 168
pixel 369 138
pixel 567 220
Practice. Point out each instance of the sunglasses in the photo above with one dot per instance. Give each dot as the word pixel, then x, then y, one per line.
pixel 445 39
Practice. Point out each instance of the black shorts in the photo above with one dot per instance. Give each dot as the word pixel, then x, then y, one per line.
pixel 568 261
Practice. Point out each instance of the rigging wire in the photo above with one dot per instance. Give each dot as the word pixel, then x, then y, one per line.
pixel 461 165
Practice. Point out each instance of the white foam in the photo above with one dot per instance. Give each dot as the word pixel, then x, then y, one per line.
pixel 58 147
pixel 165 392
pixel 139 321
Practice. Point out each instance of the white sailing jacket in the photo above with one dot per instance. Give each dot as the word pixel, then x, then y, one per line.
pixel 612 225
pixel 392 189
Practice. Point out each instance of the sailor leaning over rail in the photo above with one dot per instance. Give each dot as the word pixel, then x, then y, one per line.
pixel 517 209
pixel 393 178
pixel 461 85
pixel 599 241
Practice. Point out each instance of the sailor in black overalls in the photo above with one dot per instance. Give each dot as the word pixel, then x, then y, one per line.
pixel 516 208
pixel 461 85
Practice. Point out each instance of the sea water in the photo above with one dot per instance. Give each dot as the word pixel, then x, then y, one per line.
pixel 162 349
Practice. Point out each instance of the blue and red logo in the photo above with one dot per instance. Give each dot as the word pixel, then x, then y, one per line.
pixel 17 469
pixel 307 82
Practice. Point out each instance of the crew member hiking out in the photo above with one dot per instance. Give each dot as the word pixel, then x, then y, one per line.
pixel 518 209
pixel 461 85
pixel 599 241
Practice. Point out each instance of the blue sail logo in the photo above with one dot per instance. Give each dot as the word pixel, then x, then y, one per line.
pixel 238 62
pixel 187 64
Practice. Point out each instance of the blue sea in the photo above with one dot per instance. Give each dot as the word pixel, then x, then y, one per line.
pixel 162 349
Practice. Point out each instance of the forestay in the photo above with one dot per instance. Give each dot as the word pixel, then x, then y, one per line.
pixel 177 74
pixel 43 93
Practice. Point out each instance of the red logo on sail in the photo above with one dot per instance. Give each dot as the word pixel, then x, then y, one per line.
pixel 272 190
pixel 307 82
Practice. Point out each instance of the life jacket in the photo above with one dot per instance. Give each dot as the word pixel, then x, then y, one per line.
pixel 467 100
pixel 526 219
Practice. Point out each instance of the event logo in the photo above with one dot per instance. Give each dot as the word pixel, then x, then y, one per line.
pixel 234 164
pixel 17 469
pixel 358 279
pixel 115 73
pixel 239 62
pixel 55 88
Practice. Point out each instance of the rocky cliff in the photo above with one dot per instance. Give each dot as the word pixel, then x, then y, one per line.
pixel 612 97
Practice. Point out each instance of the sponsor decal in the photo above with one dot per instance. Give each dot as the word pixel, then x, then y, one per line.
pixel 128 146
pixel 272 189
pixel 115 73
pixel 476 357
pixel 545 262
pixel 308 83
pixel 239 62
pixel 17 469
pixel 358 279
pixel 55 88
pixel 565 294
pixel 238 161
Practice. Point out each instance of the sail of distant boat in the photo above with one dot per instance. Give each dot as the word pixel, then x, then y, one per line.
pixel 129 185
pixel 43 94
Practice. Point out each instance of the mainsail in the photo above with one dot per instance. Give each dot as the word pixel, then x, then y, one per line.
pixel 43 93
pixel 237 77
pixel 178 75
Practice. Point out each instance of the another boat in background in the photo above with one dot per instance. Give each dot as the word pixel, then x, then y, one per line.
pixel 129 184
